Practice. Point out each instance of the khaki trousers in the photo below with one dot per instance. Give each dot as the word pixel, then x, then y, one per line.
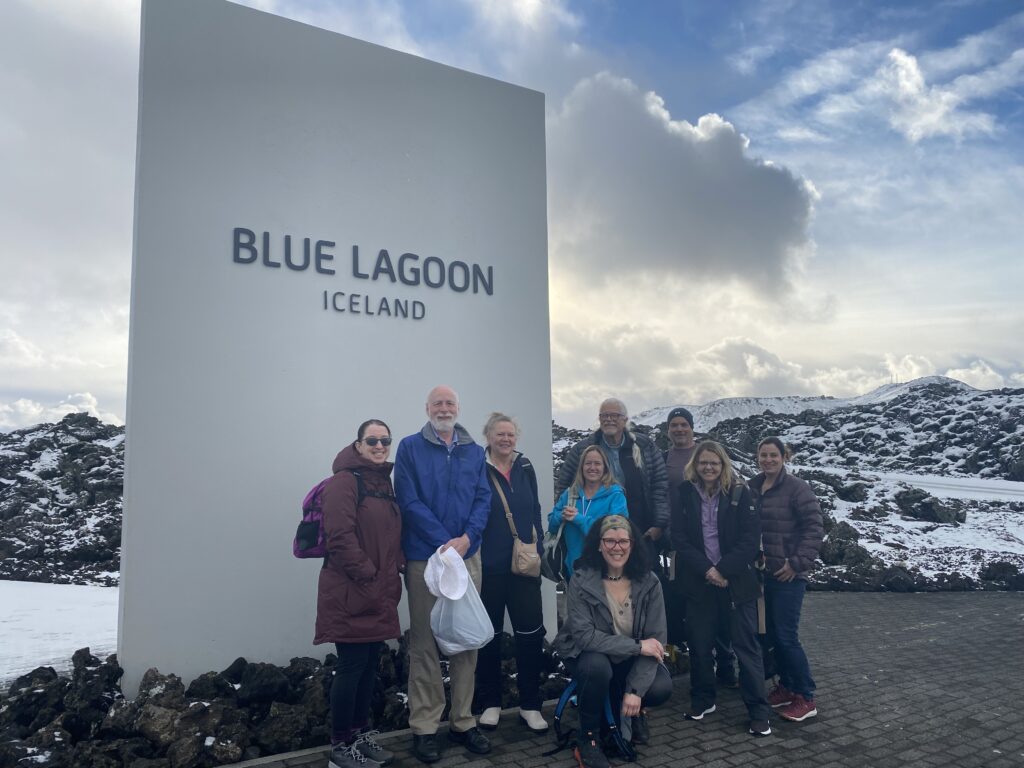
pixel 426 689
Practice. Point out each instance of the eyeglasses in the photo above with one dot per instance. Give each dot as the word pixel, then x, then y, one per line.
pixel 617 543
pixel 372 441
pixel 709 463
pixel 611 416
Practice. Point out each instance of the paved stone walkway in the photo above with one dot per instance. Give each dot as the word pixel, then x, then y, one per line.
pixel 903 680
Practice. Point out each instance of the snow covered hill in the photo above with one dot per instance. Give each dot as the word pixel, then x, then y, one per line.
pixel 889 467
pixel 60 502
pixel 709 415
pixel 932 427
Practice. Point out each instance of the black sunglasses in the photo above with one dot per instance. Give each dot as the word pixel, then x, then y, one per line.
pixel 372 441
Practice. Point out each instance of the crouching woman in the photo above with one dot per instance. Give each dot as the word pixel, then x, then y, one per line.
pixel 613 639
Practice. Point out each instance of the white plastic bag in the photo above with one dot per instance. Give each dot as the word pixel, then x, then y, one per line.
pixel 461 625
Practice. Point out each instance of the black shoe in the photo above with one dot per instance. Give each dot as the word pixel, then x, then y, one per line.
pixel 426 748
pixel 760 728
pixel 641 729
pixel 589 754
pixel 473 740
pixel 697 712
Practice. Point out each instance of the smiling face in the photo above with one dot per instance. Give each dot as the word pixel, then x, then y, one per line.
pixel 443 409
pixel 612 417
pixel 615 548
pixel 502 439
pixel 770 459
pixel 680 432
pixel 709 468
pixel 378 453
pixel 594 466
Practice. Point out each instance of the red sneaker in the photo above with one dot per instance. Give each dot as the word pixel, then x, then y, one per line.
pixel 780 696
pixel 799 709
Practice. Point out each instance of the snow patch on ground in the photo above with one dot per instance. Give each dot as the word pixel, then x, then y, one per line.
pixel 43 624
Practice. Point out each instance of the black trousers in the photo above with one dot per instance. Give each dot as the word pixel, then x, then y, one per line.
pixel 520 596
pixel 708 609
pixel 597 677
pixel 354 679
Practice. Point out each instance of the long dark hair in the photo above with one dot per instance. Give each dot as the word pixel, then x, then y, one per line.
pixel 637 566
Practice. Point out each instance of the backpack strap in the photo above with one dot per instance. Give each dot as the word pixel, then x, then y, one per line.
pixel 360 488
pixel 361 491
pixel 737 491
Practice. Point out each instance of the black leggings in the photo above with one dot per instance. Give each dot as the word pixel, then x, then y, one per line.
pixel 354 679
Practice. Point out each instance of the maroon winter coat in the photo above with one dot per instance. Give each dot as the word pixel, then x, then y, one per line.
pixel 357 597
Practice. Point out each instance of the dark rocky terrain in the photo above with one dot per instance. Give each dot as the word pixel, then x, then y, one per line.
pixel 246 711
pixel 60 502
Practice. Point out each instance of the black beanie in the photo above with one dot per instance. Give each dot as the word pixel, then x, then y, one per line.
pixel 680 411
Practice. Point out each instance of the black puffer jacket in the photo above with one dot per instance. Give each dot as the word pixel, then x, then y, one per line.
pixel 791 524
pixel 739 531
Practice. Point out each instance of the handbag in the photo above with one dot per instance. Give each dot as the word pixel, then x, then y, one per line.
pixel 552 564
pixel 525 560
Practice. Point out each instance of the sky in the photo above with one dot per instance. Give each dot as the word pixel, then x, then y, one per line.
pixel 789 197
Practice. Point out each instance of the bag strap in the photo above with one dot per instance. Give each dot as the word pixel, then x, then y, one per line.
pixel 504 503
pixel 737 491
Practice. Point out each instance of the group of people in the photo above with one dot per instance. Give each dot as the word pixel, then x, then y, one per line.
pixel 663 551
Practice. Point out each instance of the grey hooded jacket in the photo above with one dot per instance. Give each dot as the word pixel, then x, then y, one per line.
pixel 588 626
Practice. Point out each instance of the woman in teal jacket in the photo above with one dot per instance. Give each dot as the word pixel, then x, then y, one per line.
pixel 592 495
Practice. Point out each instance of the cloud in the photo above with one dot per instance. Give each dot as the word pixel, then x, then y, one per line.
pixel 981 375
pixel 524 16
pixel 16 352
pixel 649 368
pixel 919 111
pixel 634 191
pixel 747 61
pixel 976 50
pixel 26 413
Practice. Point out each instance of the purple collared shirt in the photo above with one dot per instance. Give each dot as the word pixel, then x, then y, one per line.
pixel 709 525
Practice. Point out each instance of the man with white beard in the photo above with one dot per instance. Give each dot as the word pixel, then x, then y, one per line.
pixel 442 489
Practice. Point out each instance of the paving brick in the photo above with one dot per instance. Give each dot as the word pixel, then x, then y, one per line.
pixel 895 688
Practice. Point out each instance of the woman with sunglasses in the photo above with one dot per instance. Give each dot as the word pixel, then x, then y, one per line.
pixel 359 588
pixel 716 535
pixel 613 639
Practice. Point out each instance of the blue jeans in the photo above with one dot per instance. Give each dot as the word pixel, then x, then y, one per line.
pixel 783 601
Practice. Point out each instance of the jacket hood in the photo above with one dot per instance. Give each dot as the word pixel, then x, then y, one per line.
pixel 605 490
pixel 464 437
pixel 349 458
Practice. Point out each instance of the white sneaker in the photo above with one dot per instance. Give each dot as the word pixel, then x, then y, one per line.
pixel 488 719
pixel 533 720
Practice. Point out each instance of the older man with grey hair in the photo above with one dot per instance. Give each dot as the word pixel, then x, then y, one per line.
pixel 636 463
pixel 442 490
